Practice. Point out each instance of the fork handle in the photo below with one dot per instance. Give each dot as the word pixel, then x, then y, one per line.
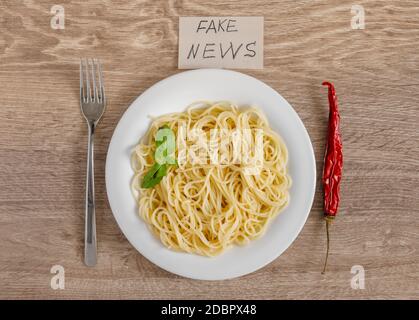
pixel 90 217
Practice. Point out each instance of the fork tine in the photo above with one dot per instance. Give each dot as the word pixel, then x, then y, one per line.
pixel 101 88
pixel 88 97
pixel 94 88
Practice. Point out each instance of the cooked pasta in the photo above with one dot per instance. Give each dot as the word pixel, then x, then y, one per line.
pixel 205 206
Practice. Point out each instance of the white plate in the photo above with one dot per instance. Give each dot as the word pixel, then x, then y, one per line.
pixel 173 94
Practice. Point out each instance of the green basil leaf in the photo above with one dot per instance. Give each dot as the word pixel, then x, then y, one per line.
pixel 158 171
pixel 162 171
pixel 149 179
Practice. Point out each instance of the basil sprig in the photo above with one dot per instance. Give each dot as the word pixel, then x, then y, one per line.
pixel 165 143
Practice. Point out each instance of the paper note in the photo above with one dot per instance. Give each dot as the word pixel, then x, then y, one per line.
pixel 221 42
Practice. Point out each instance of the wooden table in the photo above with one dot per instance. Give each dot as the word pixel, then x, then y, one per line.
pixel 43 143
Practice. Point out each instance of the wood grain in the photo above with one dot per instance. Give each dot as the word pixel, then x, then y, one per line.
pixel 43 143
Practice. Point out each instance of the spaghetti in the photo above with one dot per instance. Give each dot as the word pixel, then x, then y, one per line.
pixel 204 207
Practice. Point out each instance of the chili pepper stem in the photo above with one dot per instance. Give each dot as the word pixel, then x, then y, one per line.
pixel 328 223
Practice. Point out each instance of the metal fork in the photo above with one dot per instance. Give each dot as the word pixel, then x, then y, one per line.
pixel 92 103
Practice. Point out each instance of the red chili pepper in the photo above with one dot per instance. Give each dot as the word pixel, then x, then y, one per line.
pixel 333 163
